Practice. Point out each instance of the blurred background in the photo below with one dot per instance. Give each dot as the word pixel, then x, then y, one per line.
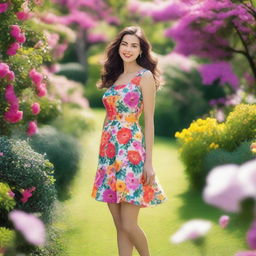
pixel 51 117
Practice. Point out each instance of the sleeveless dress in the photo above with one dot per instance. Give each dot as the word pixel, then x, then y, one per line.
pixel 122 150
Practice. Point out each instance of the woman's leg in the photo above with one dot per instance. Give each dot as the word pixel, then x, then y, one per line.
pixel 129 215
pixel 125 246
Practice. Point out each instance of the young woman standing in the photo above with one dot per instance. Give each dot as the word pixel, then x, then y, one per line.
pixel 125 178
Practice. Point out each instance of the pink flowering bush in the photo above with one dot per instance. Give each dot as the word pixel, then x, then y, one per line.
pixel 20 72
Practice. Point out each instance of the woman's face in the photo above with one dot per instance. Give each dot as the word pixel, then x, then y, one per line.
pixel 129 48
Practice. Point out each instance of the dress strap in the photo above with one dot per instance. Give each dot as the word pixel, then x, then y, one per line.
pixel 140 73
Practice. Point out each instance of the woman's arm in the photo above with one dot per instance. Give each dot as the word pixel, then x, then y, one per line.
pixel 148 88
pixel 105 120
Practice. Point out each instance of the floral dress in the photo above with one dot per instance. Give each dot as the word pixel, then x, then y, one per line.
pixel 122 150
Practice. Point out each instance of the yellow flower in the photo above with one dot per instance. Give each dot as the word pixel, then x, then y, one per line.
pixel 120 186
pixel 138 135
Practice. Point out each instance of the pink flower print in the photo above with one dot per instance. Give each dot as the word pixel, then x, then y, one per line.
pixel 30 226
pixel 32 128
pixel 120 152
pixel 109 196
pixel 131 181
pixel 131 99
pixel 35 108
pixel 13 48
pixel 137 145
pixel 15 31
pixel 99 177
pixel 27 194
pixel 3 7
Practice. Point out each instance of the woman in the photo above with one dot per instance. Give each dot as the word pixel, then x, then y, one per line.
pixel 125 177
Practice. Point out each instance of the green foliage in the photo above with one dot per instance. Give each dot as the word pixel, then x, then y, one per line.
pixel 204 136
pixel 63 151
pixel 6 201
pixel 23 168
pixel 220 156
pixel 240 125
pixel 73 71
pixel 7 237
pixel 74 121
pixel 182 99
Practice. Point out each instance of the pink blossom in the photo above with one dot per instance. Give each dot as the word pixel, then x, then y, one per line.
pixel 15 31
pixel 42 91
pixel 32 128
pixel 3 7
pixel 229 184
pixel 191 230
pixel 13 116
pixel 30 226
pixel 223 221
pixel 10 94
pixel 21 38
pixel 4 69
pixel 251 236
pixel 59 50
pixel 219 70
pixel 11 194
pixel 13 48
pixel 26 194
pixel 22 15
pixel 246 253
pixel 35 107
pixel 94 38
pixel 131 99
pixel 1 153
pixel 11 76
pixel 35 76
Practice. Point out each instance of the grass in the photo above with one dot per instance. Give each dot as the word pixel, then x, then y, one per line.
pixel 88 223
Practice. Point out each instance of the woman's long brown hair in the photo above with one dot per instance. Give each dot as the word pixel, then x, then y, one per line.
pixel 113 66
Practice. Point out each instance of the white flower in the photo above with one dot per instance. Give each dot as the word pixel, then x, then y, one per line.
pixel 191 230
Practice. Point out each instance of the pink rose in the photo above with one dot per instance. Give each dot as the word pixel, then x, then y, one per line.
pixel 32 128
pixel 35 108
pixel 3 7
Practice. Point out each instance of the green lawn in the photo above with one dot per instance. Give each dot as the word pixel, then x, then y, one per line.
pixel 89 227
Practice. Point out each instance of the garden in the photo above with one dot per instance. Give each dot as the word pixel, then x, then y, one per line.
pixel 51 117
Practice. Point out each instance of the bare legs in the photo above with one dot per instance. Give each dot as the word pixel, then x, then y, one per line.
pixel 125 246
pixel 128 232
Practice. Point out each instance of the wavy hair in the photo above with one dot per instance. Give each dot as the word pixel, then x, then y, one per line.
pixel 113 65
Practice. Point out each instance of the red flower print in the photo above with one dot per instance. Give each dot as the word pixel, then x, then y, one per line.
pixel 105 137
pixel 148 193
pixel 120 86
pixel 136 80
pixel 134 156
pixel 110 150
pixel 124 135
pixel 102 150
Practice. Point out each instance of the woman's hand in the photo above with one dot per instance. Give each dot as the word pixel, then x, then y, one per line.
pixel 148 174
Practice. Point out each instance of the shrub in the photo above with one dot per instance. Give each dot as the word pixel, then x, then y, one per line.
pixel 182 99
pixel 23 168
pixel 73 71
pixel 204 136
pixel 6 201
pixel 7 237
pixel 63 151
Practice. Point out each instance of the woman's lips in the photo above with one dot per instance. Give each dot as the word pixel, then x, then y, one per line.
pixel 127 56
